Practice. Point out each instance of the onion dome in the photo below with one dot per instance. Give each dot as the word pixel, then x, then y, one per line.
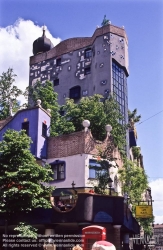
pixel 42 44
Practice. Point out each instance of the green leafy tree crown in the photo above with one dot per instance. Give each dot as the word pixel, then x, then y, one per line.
pixel 134 182
pixel 9 94
pixel 105 21
pixel 45 92
pixel 21 178
pixel 99 114
pixel 133 117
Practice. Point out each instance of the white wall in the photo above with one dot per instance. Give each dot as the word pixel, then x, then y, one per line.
pixel 75 171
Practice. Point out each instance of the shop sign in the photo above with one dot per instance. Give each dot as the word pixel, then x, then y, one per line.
pixel 144 211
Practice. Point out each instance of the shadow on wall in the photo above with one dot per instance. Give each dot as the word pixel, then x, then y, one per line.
pixel 43 151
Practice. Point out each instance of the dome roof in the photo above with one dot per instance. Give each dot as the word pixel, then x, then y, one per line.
pixel 42 44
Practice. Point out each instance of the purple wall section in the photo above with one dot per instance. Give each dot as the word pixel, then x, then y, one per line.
pixel 35 117
pixel 42 141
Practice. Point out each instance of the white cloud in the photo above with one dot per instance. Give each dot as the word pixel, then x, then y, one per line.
pixel 157 196
pixel 16 47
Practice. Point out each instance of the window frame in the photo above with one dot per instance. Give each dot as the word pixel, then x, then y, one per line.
pixel 87 71
pixel 44 130
pixel 93 172
pixel 26 129
pixel 72 95
pixel 58 173
pixel 58 62
pixel 88 53
pixel 56 81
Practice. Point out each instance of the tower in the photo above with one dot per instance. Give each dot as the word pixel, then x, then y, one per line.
pixel 85 66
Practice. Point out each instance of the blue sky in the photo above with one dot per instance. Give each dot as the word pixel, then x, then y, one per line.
pixel 143 22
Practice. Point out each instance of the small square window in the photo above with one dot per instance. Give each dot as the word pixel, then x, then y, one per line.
pixel 75 92
pixel 56 82
pixel 88 53
pixel 44 130
pixel 58 62
pixel 87 70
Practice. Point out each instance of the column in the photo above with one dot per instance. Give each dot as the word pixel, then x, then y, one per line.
pixel 117 237
pixel 126 242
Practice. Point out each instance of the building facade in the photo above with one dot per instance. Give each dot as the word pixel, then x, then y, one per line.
pixel 70 157
pixel 36 122
pixel 158 236
pixel 85 66
pixel 79 67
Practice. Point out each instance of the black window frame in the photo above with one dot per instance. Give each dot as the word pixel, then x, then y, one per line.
pixel 25 126
pixel 56 168
pixel 87 70
pixel 56 82
pixel 88 53
pixel 58 61
pixel 75 93
pixel 44 129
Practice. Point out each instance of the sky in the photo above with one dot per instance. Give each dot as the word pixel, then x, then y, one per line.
pixel 21 23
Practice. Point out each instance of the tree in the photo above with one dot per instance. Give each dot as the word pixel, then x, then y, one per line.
pixel 9 94
pixel 26 230
pixel 133 117
pixel 105 21
pixel 22 180
pixel 134 183
pixel 134 180
pixel 99 114
pixel 92 108
pixel 45 92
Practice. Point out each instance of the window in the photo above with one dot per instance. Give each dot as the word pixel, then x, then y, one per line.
pixel 25 126
pixel 88 53
pixel 87 70
pixel 56 82
pixel 58 62
pixel 62 112
pixel 44 129
pixel 93 172
pixel 58 170
pixel 75 92
pixel 119 86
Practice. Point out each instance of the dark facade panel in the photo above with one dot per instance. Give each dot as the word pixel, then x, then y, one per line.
pixel 90 208
pixel 132 139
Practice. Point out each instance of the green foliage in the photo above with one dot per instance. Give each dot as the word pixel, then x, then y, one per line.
pixel 136 152
pixel 102 175
pixel 132 116
pixel 99 114
pixel 102 178
pixel 146 223
pixel 8 94
pixel 105 21
pixel 45 92
pixel 25 230
pixel 134 180
pixel 21 178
